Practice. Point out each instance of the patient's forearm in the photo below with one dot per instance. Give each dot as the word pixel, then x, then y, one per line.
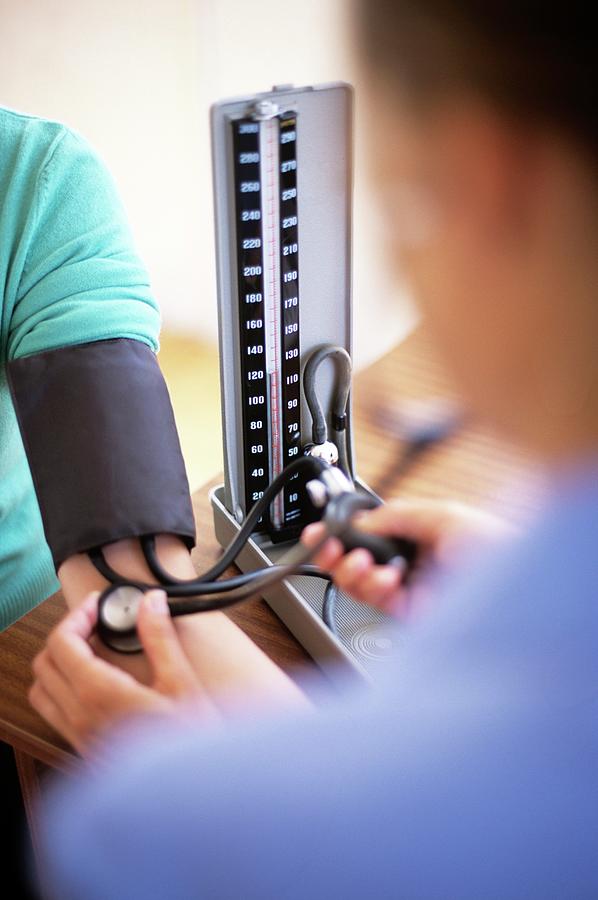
pixel 229 665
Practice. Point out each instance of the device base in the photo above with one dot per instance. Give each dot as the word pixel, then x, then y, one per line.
pixel 366 640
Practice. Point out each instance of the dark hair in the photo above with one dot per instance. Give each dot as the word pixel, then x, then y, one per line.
pixel 535 60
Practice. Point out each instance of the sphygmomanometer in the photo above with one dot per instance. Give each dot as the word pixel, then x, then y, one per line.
pixel 99 431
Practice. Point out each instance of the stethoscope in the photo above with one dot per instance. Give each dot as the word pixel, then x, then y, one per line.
pixel 330 488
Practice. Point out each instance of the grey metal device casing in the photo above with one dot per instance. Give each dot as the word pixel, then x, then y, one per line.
pixel 324 187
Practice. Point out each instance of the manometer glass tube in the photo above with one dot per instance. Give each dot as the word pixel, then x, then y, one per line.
pixel 267 229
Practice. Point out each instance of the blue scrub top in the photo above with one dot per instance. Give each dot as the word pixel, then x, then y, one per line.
pixel 472 773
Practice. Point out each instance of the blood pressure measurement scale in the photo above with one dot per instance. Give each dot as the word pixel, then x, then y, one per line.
pixel 282 166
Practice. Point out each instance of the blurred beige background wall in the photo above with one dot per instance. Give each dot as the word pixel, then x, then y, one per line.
pixel 137 77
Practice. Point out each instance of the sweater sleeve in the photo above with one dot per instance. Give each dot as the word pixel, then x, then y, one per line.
pixel 82 280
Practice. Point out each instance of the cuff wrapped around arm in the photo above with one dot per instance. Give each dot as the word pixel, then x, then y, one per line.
pixel 102 445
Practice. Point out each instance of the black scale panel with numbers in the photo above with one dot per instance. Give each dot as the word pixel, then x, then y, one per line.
pixel 267 228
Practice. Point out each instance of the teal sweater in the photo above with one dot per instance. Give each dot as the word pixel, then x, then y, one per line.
pixel 69 274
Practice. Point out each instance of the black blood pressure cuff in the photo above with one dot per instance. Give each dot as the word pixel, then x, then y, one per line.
pixel 102 446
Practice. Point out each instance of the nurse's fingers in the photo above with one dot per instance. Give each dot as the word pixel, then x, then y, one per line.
pixel 82 620
pixel 49 710
pixel 56 686
pixel 351 567
pixel 68 643
pixel 173 674
pixel 438 525
pixel 331 552
pixel 423 520
pixel 378 586
pixel 355 572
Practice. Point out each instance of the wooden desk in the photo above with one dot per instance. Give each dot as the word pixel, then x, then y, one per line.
pixel 473 466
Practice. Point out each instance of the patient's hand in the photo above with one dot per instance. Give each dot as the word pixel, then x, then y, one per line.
pixel 444 530
pixel 82 695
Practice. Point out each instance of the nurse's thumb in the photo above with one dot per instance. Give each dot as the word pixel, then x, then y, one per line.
pixel 171 669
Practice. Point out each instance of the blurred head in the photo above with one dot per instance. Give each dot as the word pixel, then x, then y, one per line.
pixel 484 133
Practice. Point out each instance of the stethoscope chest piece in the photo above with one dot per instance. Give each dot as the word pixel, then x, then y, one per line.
pixel 117 618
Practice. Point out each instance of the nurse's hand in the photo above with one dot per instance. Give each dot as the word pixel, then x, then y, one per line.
pixel 445 532
pixel 82 696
